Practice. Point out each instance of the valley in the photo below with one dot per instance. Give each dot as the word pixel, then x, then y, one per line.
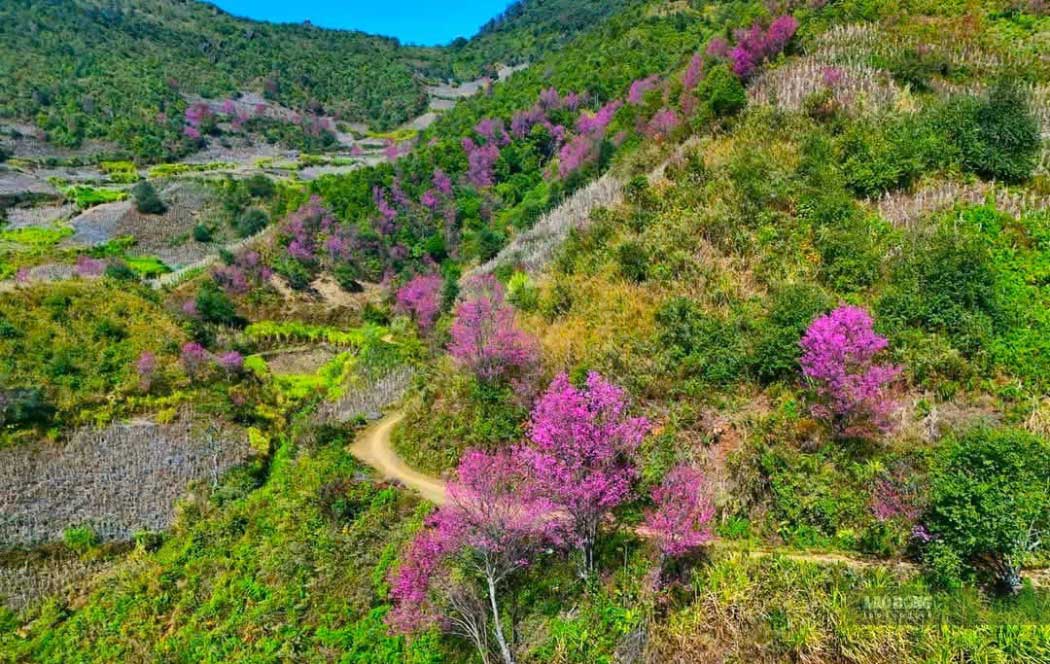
pixel 631 332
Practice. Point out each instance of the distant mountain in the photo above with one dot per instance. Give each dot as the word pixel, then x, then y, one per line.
pixel 123 70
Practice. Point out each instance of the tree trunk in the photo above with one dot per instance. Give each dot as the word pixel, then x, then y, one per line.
pixel 497 625
pixel 587 540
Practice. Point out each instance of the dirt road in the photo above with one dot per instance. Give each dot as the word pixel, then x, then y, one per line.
pixel 374 447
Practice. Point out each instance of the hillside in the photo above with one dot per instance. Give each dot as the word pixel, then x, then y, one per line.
pixel 719 333
pixel 526 31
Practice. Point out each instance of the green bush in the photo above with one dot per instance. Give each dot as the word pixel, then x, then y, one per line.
pixel 250 222
pixel 80 539
pixel 146 199
pixel 522 292
pixel 202 233
pixel 722 92
pixel 119 270
pixel 699 345
pixel 944 568
pixel 776 350
pixel 996 135
pixel 633 261
pixel 260 186
pixel 214 306
pixel 990 500
pixel 26 407
pixel 887 154
pixel 946 284
pixel 851 253
pixel 298 276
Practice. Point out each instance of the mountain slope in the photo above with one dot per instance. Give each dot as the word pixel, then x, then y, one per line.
pixel 526 30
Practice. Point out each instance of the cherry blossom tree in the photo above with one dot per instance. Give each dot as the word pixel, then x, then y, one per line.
pixel 420 298
pixel 579 448
pixel 194 359
pixel 680 520
pixel 146 367
pixel 640 87
pixel 493 525
pixel 757 45
pixel 852 390
pixel 485 336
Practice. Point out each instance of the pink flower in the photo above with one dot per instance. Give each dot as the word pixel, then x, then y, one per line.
pixel 88 267
pixel 693 73
pixel 838 360
pixel 146 366
pixel 485 337
pixel 194 359
pixel 718 47
pixel 420 298
pixel 640 87
pixel 231 362
pixel 680 520
pixel 580 442
pixel 663 123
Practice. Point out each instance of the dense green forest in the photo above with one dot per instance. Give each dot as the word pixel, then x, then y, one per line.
pixel 719 333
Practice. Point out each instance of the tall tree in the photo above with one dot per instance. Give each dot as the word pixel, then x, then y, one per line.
pixel 494 525
pixel 485 336
pixel 579 453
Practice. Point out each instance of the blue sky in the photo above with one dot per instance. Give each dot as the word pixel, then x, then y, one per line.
pixel 412 21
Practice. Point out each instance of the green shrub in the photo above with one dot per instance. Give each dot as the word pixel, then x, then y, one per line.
pixel 80 539
pixel 633 261
pixel 946 284
pixel 722 92
pixel 776 350
pixel 146 199
pixel 522 292
pixel 27 407
pixel 851 253
pixel 214 306
pixel 250 222
pixel 297 275
pixel 119 270
pixel 997 135
pixel 348 277
pixel 202 233
pixel 891 153
pixel 699 345
pixel 990 500
pixel 943 566
pixel 260 186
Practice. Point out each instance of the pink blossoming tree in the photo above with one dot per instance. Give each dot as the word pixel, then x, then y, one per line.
pixel 579 449
pixel 493 525
pixel 838 360
pixel 146 367
pixel 485 336
pixel 420 298
pixel 757 45
pixel 680 520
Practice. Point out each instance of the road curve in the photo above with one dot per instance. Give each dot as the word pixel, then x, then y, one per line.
pixel 374 448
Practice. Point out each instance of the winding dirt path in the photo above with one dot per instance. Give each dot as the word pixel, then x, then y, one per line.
pixel 374 447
